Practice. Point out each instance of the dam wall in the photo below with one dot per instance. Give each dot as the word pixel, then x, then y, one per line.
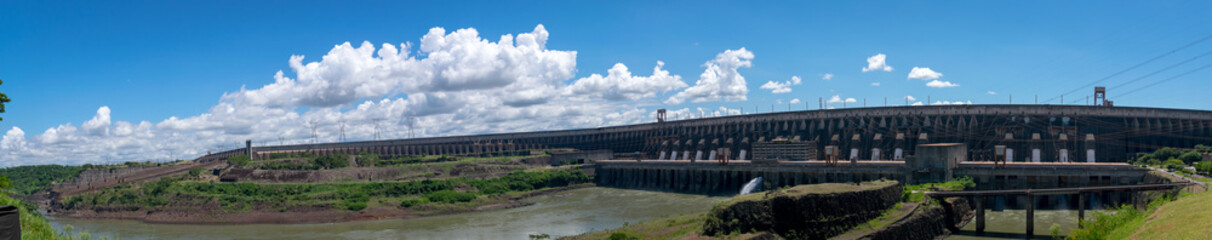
pixel 1031 133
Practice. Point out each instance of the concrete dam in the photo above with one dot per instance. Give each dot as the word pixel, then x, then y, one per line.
pixel 1029 133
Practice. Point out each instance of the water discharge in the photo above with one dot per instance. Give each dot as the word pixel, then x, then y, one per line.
pixel 559 214
pixel 751 186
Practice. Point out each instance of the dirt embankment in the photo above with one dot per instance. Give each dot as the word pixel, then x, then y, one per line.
pixel 815 211
pixel 212 213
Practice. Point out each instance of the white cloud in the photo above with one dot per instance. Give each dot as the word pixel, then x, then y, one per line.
pixel 918 103
pixel 991 93
pixel 460 60
pixel 456 83
pixel 839 99
pixel 795 101
pixel 877 63
pixel 720 81
pixel 782 87
pixel 827 76
pixel 619 84
pixel 911 98
pixel 951 103
pixel 13 139
pixel 875 84
pixel 941 84
pixel 923 74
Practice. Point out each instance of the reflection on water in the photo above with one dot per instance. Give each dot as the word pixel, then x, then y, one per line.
pixel 1011 224
pixel 560 214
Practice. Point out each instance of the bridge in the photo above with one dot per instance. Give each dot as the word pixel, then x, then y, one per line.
pixel 1080 192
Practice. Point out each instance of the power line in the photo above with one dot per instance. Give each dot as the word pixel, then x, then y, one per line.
pixel 1134 66
pixel 1167 79
pixel 1167 68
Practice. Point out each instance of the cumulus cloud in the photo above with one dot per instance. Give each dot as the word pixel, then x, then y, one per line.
pixel 619 84
pixel 451 83
pixel 720 81
pixel 455 61
pixel 99 125
pixel 910 98
pixel 839 99
pixel 877 63
pixel 13 139
pixel 827 76
pixel 875 84
pixel 782 87
pixel 941 84
pixel 795 101
pixel 991 93
pixel 921 73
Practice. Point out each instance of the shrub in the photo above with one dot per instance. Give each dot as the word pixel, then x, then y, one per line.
pixel 1191 157
pixel 412 202
pixel 1204 167
pixel 1175 164
pixel 356 201
pixel 448 196
pixel 239 161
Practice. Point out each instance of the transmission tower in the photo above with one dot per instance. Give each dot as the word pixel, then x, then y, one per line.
pixel 377 128
pixel 341 126
pixel 313 124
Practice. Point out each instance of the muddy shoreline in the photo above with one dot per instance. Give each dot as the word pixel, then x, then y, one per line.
pixel 167 215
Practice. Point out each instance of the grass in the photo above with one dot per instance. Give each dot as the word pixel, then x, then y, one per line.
pixel 34 225
pixel 241 197
pixel 1188 217
pixel 1128 222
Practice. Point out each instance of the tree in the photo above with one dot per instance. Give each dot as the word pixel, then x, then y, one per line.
pixel 1191 157
pixel 3 99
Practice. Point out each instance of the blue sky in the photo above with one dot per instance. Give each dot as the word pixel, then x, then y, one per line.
pixel 152 61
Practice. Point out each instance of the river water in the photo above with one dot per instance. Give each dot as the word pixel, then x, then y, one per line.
pixel 560 214
pixel 1012 224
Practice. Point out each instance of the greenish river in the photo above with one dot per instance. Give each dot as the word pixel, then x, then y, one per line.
pixel 1012 224
pixel 560 214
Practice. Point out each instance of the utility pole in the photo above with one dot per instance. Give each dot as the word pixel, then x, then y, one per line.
pixel 281 140
pixel 1011 98
pixel 885 101
pixel 1036 99
pixel 864 102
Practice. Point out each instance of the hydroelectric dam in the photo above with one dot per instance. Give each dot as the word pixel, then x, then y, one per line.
pixel 1040 146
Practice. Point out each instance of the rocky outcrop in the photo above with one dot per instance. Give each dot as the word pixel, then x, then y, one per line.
pixel 807 211
pixel 928 221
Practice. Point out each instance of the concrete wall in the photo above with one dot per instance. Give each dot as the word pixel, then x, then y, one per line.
pixel 1114 133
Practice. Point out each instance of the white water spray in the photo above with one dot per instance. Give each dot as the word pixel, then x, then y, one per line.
pixel 751 186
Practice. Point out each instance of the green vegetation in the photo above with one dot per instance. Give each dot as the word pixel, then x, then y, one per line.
pixel 353 196
pixel 1187 217
pixel 915 193
pixel 29 179
pixel 1163 157
pixel 1122 222
pixel 356 201
pixel 33 224
pixel 448 196
pixel 3 99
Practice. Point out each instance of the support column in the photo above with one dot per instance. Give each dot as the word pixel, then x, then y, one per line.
pixel 1081 208
pixel 1030 215
pixel 980 215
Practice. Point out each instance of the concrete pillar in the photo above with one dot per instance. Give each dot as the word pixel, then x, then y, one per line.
pixel 980 215
pixel 1030 214
pixel 1081 208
